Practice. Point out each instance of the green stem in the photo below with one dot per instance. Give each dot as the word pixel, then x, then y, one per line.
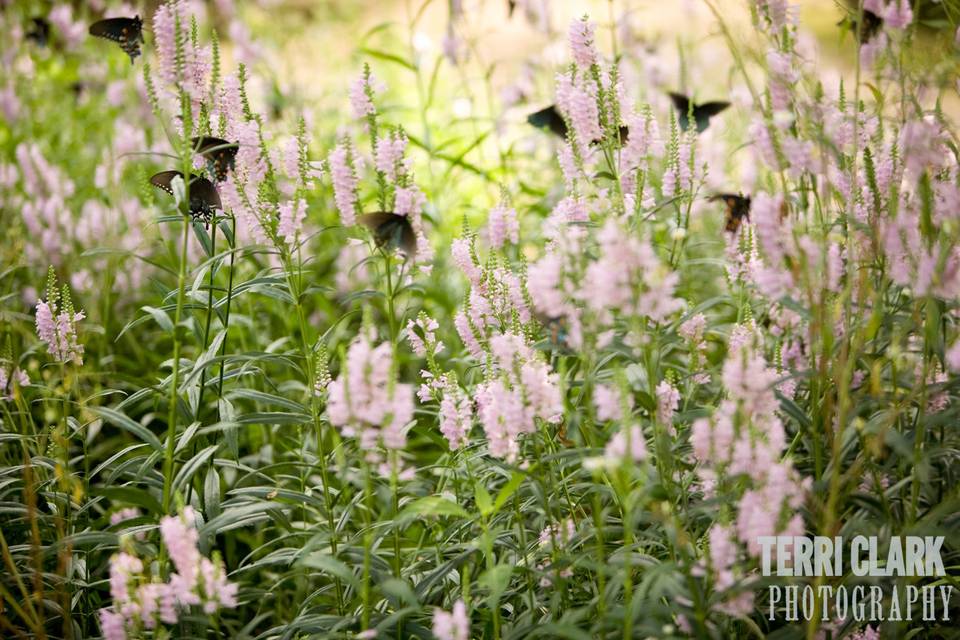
pixel 175 376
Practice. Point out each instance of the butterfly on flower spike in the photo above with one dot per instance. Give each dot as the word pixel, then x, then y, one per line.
pixel 204 198
pixel 549 119
pixel 701 112
pixel 219 154
pixel 391 231
pixel 127 32
pixel 738 210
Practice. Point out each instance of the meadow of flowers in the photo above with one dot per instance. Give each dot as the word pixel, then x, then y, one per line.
pixel 396 363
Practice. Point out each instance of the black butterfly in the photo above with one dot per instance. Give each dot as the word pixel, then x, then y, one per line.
pixel 701 112
pixel 549 118
pixel 738 209
pixel 872 24
pixel 511 7
pixel 219 154
pixel 391 231
pixel 204 199
pixel 127 32
pixel 40 33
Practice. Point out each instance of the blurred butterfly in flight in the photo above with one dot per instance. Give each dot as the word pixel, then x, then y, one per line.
pixel 219 154
pixel 40 33
pixel 701 112
pixel 391 231
pixel 870 27
pixel 549 119
pixel 738 210
pixel 204 199
pixel 127 32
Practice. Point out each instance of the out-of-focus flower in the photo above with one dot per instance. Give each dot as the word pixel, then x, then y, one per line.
pixel 454 625
pixel 581 43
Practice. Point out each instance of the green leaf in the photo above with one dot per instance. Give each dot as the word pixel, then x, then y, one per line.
pixel 211 493
pixel 118 419
pixel 129 495
pixel 389 57
pixel 193 465
pixel 328 564
pixel 274 417
pixel 496 579
pixel 433 506
pixel 484 502
pixel 507 490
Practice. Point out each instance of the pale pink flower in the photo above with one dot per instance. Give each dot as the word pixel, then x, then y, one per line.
pixel 627 444
pixel 344 183
pixel 454 625
pixel 292 216
pixel 456 417
pixel 366 402
pixel 58 330
pixel 502 225
pixel 581 43
pixel 112 625
pixel 668 401
pixel 70 31
pixel 952 357
pixel 389 154
pixel 9 377
pixel 609 402
pixel 578 101
pixel 462 253
pixel 361 92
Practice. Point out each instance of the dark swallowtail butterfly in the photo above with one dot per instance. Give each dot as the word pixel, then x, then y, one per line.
pixel 391 231
pixel 511 7
pixel 219 154
pixel 40 33
pixel 701 112
pixel 872 24
pixel 549 119
pixel 204 199
pixel 127 32
pixel 738 209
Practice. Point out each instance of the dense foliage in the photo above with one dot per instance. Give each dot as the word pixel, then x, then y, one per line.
pixel 394 372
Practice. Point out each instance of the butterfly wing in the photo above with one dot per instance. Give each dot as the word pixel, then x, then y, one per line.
pixel 871 25
pixel 391 231
pixel 40 33
pixel 738 210
pixel 220 155
pixel 549 118
pixel 703 112
pixel 682 104
pixel 164 180
pixel 204 198
pixel 127 32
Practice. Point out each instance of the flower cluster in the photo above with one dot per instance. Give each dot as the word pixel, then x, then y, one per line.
pixel 57 323
pixel 142 603
pixel 521 390
pixel 366 402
